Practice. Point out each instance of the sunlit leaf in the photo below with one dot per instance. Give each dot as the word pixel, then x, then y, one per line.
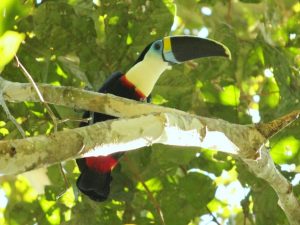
pixel 152 185
pixel 9 45
pixel 285 149
pixel 4 131
pixel 158 100
pixel 270 95
pixel 10 12
pixel 230 95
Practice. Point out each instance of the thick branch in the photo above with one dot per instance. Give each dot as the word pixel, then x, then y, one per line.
pixel 109 104
pixel 79 98
pixel 164 125
pixel 264 168
pixel 112 136
pixel 273 127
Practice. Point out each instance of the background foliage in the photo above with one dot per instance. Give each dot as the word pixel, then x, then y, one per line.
pixel 80 43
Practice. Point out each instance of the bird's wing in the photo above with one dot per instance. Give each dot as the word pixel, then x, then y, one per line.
pixel 108 83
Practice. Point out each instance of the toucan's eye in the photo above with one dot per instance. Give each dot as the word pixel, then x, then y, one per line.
pixel 157 46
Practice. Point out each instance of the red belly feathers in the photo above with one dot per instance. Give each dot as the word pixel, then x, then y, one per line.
pixel 107 163
pixel 140 95
pixel 101 163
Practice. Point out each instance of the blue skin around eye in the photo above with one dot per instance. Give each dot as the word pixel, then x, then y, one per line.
pixel 167 56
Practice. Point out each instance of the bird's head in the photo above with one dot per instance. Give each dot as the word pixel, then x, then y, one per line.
pixel 178 49
pixel 160 54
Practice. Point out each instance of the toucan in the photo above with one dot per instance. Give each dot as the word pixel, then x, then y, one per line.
pixel 137 84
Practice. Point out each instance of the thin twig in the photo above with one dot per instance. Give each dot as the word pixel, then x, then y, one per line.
pixel 213 216
pixel 245 203
pixel 67 183
pixel 149 193
pixel 183 169
pixel 50 112
pixel 154 201
pixel 30 79
pixel 11 117
pixel 229 9
pixel 83 120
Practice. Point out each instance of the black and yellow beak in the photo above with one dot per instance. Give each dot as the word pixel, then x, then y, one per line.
pixel 178 49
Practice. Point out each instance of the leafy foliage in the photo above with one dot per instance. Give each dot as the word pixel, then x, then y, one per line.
pixel 80 43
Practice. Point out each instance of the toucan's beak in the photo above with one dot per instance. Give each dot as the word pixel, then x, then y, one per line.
pixel 178 49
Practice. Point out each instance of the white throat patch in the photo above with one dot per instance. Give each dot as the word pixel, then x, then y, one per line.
pixel 145 74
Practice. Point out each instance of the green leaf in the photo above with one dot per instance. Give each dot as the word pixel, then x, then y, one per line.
pixel 285 149
pixel 80 43
pixel 230 95
pixel 9 44
pixel 266 208
pixel 4 131
pixel 182 202
pixel 10 13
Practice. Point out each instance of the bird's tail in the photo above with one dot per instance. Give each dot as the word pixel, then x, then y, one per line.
pixel 95 178
pixel 95 185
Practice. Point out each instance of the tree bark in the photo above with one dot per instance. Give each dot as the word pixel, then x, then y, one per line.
pixel 126 134
pixel 135 130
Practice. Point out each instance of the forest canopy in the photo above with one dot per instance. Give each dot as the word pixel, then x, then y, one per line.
pixel 80 43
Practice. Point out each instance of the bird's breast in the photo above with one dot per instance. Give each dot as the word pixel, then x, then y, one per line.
pixel 127 88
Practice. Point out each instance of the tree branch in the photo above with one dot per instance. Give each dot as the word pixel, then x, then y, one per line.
pixel 11 117
pixel 126 134
pixel 264 168
pixel 79 98
pixel 110 104
pixel 160 125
